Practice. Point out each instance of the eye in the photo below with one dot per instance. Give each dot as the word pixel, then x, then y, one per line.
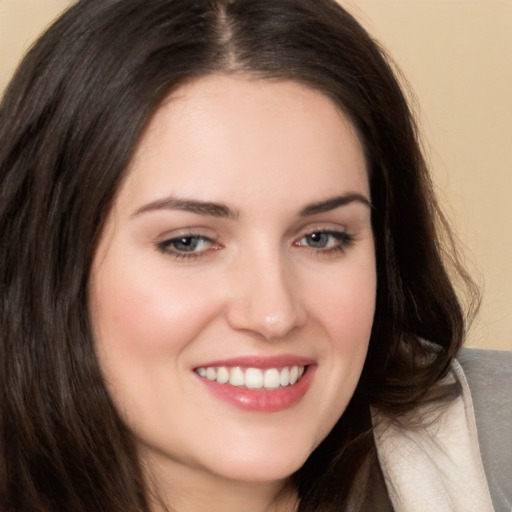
pixel 326 240
pixel 186 246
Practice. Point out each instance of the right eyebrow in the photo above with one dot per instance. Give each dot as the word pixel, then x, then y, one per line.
pixel 210 209
pixel 335 202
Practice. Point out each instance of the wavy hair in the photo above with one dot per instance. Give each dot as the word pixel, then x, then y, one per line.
pixel 69 122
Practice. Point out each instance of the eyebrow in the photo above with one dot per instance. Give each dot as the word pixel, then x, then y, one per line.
pixel 221 210
pixel 333 203
pixel 207 208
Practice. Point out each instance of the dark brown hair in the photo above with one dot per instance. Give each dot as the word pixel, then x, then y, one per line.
pixel 69 122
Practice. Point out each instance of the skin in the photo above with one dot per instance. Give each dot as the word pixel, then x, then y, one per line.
pixel 255 285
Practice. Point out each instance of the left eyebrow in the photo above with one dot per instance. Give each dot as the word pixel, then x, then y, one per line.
pixel 333 203
pixel 206 208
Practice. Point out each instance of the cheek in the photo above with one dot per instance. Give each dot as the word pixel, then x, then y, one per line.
pixel 143 319
pixel 142 307
pixel 345 300
pixel 345 310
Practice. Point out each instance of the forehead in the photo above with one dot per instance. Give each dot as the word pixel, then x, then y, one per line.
pixel 230 136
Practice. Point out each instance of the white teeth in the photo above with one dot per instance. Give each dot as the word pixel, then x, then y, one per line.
pixel 271 379
pixel 284 378
pixel 294 375
pixel 237 377
pixel 253 378
pixel 222 375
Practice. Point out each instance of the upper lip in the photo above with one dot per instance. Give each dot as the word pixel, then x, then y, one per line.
pixel 262 362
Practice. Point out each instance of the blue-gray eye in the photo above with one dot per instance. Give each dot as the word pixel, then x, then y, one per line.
pixel 185 244
pixel 318 240
pixel 326 239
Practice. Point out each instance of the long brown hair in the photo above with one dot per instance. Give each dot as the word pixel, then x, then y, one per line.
pixel 69 122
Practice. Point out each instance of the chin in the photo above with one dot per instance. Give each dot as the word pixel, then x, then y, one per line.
pixel 260 472
pixel 260 465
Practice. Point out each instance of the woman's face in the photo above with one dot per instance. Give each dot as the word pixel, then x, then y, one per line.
pixel 233 290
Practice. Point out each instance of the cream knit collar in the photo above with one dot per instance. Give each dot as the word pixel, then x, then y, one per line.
pixel 437 467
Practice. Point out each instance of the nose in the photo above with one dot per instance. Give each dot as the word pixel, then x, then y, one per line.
pixel 265 298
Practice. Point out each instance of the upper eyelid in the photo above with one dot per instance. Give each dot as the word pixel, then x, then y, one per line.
pixel 201 232
pixel 168 239
pixel 326 231
pixel 206 232
pixel 342 233
pixel 351 224
pixel 322 227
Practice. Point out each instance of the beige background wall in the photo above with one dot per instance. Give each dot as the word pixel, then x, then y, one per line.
pixel 457 56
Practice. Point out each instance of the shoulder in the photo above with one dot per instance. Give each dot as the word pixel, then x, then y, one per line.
pixel 479 362
pixel 489 376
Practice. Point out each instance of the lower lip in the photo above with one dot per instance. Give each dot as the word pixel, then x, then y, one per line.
pixel 262 400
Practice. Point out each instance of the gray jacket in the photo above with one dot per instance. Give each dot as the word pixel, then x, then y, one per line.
pixel 489 375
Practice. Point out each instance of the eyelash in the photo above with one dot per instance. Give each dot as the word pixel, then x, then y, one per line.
pixel 166 246
pixel 343 240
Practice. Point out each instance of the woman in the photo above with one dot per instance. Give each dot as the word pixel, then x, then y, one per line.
pixel 220 266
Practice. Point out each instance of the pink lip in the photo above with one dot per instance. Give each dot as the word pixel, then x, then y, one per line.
pixel 262 400
pixel 262 362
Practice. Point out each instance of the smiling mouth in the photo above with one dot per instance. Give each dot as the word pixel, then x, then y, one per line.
pixel 253 378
